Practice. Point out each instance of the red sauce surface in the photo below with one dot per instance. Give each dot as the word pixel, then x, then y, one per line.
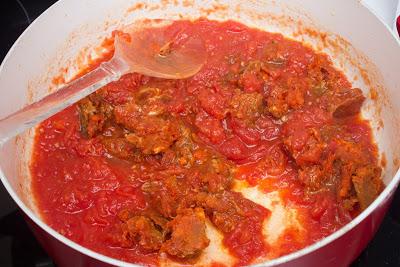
pixel 275 114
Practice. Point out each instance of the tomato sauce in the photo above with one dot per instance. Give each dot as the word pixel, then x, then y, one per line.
pixel 138 169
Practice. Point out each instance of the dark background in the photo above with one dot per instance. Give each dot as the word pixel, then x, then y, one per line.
pixel 18 247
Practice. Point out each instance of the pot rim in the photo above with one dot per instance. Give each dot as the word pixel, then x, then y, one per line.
pixel 386 193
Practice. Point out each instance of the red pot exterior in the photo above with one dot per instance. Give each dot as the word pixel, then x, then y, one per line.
pixel 340 252
pixel 62 255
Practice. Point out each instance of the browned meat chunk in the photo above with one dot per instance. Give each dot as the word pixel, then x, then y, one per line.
pixel 215 175
pixel 360 182
pixel 287 95
pixel 211 171
pixel 350 151
pixel 347 102
pixel 367 184
pixel 188 234
pixel 143 116
pixel 184 149
pixel 305 146
pixel 277 102
pixel 342 168
pixel 143 230
pixel 165 194
pixel 155 142
pixel 225 209
pixel 151 130
pixel 115 143
pixel 246 106
pixel 125 214
pixel 345 187
pixel 93 113
pixel 313 177
pixel 359 177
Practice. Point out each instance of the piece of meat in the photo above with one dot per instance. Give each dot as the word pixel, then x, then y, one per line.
pixel 319 88
pixel 295 97
pixel 93 114
pixel 216 175
pixel 151 129
pixel 188 234
pixel 208 170
pixel 125 214
pixel 160 221
pixel 276 101
pixel 345 188
pixel 118 236
pixel 246 106
pixel 305 146
pixel 322 75
pixel 156 141
pixel 115 143
pixel 226 209
pixel 209 173
pixel 348 172
pixel 188 168
pixel 327 160
pixel 122 91
pixel 184 149
pixel 313 177
pixel 346 102
pixel 350 151
pixel 165 194
pixel 367 184
pixel 129 116
pixel 215 182
pixel 143 230
pixel 288 94
pixel 360 181
pixel 212 171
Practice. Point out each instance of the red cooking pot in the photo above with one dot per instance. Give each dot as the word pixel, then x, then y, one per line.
pixel 58 42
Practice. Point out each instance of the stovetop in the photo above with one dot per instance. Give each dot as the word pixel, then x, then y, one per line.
pixel 18 247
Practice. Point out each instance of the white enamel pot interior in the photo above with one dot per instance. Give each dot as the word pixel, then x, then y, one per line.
pixel 62 36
